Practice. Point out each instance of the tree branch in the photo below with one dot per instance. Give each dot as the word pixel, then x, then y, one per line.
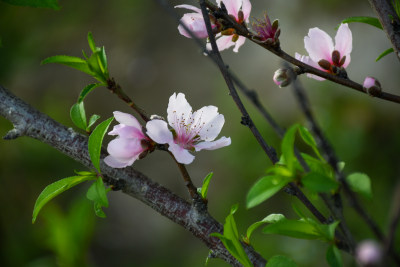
pixel 390 22
pixel 29 122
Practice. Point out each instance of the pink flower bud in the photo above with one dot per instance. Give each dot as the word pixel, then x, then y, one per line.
pixel 283 77
pixel 369 253
pixel 372 86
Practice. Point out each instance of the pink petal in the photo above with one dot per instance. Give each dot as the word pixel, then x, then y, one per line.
pixel 212 129
pixel 195 23
pixel 239 43
pixel 159 132
pixel 190 7
pixel 181 155
pixel 223 141
pixel 178 109
pixel 233 7
pixel 118 162
pixel 125 131
pixel 343 41
pixel 319 45
pixel 246 8
pixel 127 119
pixel 307 60
pixel 369 82
pixel 125 148
pixel 224 42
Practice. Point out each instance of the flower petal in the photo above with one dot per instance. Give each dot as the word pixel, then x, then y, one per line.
pixel 125 148
pixel 195 23
pixel 190 7
pixel 211 130
pixel 159 132
pixel 223 43
pixel 344 41
pixel 181 155
pixel 127 119
pixel 319 45
pixel 233 7
pixel 307 60
pixel 239 42
pixel 246 8
pixel 178 109
pixel 118 162
pixel 223 141
pixel 125 131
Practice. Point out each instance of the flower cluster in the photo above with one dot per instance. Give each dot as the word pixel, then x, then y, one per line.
pixel 237 9
pixel 326 56
pixel 188 132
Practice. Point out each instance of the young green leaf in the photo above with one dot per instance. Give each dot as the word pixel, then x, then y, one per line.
pixel 87 90
pixel 204 187
pixel 73 62
pixel 96 140
pixel 78 115
pixel 293 228
pixel 280 261
pixel 230 239
pixel 384 53
pixel 94 66
pixel 98 194
pixel 55 189
pixel 92 121
pixel 333 257
pixel 272 218
pixel 35 3
pixel 360 183
pixel 319 183
pixel 288 147
pixel 103 61
pixel 309 140
pixel 367 20
pixel 265 188
pixel 91 42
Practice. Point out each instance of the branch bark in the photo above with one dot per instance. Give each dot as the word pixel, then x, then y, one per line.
pixel 390 22
pixel 30 122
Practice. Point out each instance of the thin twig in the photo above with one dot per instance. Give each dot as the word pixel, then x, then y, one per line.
pixel 394 221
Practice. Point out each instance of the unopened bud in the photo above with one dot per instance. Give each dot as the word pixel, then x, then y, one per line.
pixel 369 253
pixel 283 77
pixel 372 86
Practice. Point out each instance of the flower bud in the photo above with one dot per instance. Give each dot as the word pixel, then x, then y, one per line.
pixel 369 253
pixel 283 77
pixel 372 86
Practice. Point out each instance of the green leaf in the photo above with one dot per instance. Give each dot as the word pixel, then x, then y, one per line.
pixel 103 61
pixel 204 187
pixel 292 228
pixel 333 257
pixel 318 166
pixel 367 20
pixel 73 62
pixel 309 140
pixel 87 90
pixel 85 173
pixel 280 261
pixel 55 189
pixel 92 121
pixel 341 165
pixel 35 3
pixel 384 53
pixel 96 140
pixel 98 194
pixel 91 42
pixel 319 183
pixel 94 66
pixel 78 115
pixel 272 218
pixel 265 188
pixel 288 147
pixel 360 183
pixel 230 239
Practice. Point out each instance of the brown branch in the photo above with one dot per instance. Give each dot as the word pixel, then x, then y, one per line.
pixel 29 122
pixel 390 22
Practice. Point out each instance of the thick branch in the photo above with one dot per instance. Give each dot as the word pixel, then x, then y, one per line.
pixel 389 20
pixel 29 122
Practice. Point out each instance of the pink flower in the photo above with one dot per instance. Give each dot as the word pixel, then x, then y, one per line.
pixel 323 54
pixel 191 131
pixel 369 253
pixel 130 143
pixel 266 31
pixel 372 86
pixel 369 82
pixel 240 10
pixel 194 22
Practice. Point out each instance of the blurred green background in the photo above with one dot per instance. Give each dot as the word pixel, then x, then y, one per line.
pixel 151 61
